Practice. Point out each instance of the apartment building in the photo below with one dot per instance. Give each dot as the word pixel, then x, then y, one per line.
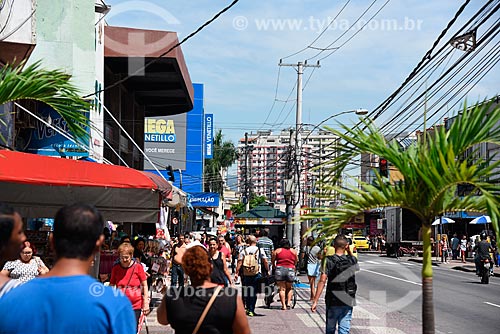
pixel 268 159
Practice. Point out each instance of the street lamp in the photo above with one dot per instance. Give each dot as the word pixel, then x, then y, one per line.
pixel 359 112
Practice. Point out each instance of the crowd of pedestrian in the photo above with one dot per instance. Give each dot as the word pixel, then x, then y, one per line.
pixel 67 299
pixel 459 248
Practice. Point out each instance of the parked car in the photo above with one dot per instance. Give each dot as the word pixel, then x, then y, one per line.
pixel 361 242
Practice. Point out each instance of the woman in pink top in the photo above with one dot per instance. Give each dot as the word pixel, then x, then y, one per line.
pixel 284 260
pixel 130 278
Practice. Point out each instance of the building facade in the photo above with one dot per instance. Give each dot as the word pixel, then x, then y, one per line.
pixel 267 161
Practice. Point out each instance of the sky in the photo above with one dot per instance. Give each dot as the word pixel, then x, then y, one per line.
pixel 236 57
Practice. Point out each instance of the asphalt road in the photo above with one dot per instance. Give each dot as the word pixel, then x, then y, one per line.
pixel 461 303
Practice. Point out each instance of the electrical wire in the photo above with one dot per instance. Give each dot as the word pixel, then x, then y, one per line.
pixel 8 16
pixel 60 131
pixel 425 58
pixel 329 46
pixel 465 57
pixel 12 32
pixel 321 34
pixel 353 35
pixel 142 69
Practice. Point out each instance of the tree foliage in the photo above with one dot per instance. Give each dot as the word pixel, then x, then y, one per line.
pixel 432 169
pixel 52 87
pixel 224 155
pixel 240 207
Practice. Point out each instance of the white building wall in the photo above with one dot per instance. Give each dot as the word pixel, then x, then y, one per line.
pixel 18 21
pixel 65 39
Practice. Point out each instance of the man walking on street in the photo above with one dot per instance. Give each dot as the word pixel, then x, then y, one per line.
pixel 338 273
pixel 250 259
pixel 67 300
pixel 455 247
pixel 266 244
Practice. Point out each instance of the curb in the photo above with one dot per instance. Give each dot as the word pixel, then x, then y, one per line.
pixel 459 268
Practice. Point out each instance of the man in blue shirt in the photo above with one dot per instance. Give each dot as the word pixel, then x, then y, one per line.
pixel 67 300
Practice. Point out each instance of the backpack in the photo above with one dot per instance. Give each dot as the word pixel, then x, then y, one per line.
pixel 342 278
pixel 250 263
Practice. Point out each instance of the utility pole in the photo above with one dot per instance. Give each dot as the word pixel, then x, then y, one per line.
pixel 289 186
pixel 247 186
pixel 298 157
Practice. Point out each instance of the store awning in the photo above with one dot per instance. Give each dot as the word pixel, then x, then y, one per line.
pixel 163 87
pixel 37 186
pixel 179 198
pixel 208 211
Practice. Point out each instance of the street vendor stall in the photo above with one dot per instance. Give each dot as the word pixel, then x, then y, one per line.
pixel 37 186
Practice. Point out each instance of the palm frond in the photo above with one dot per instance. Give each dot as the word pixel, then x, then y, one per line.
pixel 52 87
pixel 432 170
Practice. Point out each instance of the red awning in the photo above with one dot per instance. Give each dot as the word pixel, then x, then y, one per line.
pixel 39 185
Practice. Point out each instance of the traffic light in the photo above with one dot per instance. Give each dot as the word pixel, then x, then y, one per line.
pixel 383 167
pixel 170 173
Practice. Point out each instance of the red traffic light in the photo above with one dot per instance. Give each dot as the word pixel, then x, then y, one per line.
pixel 383 167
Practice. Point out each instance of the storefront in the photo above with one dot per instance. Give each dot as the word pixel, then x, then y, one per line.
pixel 37 186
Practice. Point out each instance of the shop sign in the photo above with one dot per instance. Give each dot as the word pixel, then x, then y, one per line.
pixel 45 140
pixel 209 135
pixel 205 199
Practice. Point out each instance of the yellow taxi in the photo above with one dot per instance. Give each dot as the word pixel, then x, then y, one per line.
pixel 330 250
pixel 361 242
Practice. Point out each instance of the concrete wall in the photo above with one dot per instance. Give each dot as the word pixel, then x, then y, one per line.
pixel 65 39
pixel 17 21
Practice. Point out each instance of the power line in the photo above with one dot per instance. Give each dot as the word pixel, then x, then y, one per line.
pixel 356 33
pixel 347 30
pixel 141 70
pixel 310 46
pixel 426 57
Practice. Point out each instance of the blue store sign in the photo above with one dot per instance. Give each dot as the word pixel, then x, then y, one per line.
pixel 204 199
pixel 46 141
pixel 209 135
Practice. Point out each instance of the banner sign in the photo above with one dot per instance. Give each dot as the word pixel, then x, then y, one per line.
pixel 46 141
pixel 204 199
pixel 165 141
pixel 209 135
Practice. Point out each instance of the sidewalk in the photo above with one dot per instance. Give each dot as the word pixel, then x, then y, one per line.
pixel 368 317
pixel 468 266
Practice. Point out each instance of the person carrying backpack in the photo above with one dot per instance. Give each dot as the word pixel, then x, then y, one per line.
pixel 338 273
pixel 250 261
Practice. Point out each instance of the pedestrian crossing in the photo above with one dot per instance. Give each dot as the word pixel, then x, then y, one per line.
pixel 391 263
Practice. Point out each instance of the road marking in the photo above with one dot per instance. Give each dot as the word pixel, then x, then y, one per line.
pixel 408 264
pixel 388 262
pixel 379 329
pixel 315 320
pixel 492 304
pixel 312 320
pixel 360 313
pixel 318 320
pixel 389 276
pixel 372 262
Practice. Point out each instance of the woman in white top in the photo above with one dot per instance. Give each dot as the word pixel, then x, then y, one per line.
pixel 11 238
pixel 463 248
pixel 26 267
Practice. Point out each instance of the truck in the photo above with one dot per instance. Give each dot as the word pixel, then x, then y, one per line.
pixel 403 229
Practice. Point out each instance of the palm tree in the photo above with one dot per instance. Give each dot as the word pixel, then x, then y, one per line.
pixel 224 155
pixel 52 87
pixel 432 169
